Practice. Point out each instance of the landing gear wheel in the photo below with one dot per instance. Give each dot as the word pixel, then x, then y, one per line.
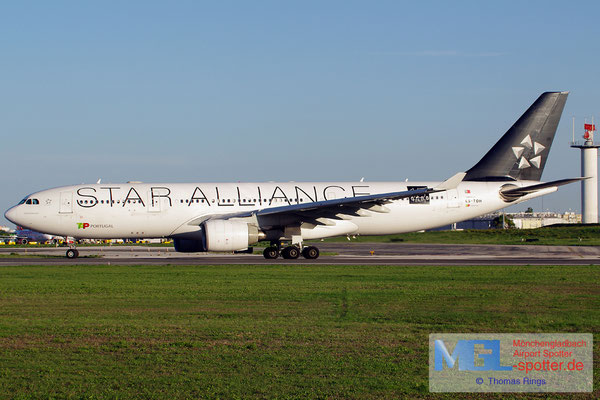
pixel 72 253
pixel 290 253
pixel 271 253
pixel 310 253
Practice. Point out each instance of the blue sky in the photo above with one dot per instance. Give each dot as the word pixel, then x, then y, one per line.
pixel 270 90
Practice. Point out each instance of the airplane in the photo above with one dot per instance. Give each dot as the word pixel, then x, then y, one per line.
pixel 25 236
pixel 227 217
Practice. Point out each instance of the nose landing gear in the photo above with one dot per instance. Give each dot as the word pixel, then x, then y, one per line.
pixel 72 253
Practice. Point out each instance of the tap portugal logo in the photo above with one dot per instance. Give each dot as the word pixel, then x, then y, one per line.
pixel 85 225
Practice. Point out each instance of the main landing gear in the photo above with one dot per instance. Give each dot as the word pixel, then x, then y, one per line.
pixel 291 252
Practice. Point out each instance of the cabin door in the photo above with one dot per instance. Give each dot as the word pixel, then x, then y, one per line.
pixel 66 203
pixel 453 201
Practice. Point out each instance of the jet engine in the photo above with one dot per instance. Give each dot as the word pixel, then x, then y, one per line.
pixel 227 235
pixel 220 235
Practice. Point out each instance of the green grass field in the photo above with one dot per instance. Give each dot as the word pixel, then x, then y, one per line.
pixel 266 331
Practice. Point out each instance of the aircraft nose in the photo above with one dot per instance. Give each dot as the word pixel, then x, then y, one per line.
pixel 12 215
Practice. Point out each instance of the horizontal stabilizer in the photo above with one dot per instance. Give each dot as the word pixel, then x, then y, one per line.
pixel 513 193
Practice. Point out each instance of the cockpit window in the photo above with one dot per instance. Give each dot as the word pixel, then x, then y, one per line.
pixel 35 201
pixel 30 201
pixel 22 201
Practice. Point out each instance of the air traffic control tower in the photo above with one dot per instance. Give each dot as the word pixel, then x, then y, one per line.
pixel 589 169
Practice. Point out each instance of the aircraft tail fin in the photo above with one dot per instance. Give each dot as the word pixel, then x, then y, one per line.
pixel 521 153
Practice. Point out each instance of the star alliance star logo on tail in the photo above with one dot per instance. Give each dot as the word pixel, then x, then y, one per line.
pixel 532 147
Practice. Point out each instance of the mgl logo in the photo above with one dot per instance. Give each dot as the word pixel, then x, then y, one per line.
pixel 466 354
pixel 82 225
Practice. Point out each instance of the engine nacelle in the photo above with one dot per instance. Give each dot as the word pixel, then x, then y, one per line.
pixel 189 245
pixel 226 235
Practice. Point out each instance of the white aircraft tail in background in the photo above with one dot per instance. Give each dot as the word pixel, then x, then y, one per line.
pixel 25 236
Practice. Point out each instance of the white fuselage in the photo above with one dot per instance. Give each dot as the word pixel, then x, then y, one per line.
pixel 139 210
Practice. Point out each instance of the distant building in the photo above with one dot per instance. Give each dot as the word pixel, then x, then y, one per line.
pixel 482 222
pixel 537 220
pixel 522 220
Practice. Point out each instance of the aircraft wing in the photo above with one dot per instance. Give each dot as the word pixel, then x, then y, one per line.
pixel 332 209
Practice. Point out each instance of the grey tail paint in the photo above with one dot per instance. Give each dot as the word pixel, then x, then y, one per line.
pixel 522 152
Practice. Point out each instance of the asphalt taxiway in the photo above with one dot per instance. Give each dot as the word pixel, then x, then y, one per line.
pixel 347 254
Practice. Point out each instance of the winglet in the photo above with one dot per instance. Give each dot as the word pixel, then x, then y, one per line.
pixel 451 183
